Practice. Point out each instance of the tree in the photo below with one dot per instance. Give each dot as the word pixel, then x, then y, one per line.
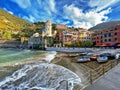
pixel 69 44
pixel 7 35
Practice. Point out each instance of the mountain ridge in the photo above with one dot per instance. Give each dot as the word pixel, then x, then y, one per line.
pixel 105 25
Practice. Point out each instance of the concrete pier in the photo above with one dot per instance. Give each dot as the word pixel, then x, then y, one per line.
pixel 109 81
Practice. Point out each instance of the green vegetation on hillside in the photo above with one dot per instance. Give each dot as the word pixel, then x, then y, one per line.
pixel 29 30
pixel 10 25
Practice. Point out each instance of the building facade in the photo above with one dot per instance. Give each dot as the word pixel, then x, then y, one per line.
pixel 107 37
pixel 84 35
pixel 41 41
pixel 69 36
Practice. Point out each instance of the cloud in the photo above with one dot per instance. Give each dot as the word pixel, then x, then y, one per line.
pixel 78 13
pixel 23 3
pixel 29 18
pixel 37 10
pixel 47 5
pixel 101 4
pixel 52 5
pixel 85 20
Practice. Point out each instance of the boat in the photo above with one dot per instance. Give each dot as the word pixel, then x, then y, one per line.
pixel 102 58
pixel 117 56
pixel 83 53
pixel 109 55
pixel 73 55
pixel 94 57
pixel 83 59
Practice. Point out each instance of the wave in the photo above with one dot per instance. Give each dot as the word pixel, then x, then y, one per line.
pixel 42 76
pixel 50 56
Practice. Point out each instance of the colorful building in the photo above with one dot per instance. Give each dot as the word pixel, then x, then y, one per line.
pixel 69 36
pixel 84 35
pixel 107 37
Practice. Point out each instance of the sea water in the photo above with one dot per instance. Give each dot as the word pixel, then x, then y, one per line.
pixel 39 75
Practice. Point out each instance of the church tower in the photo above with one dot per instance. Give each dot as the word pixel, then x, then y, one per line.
pixel 48 28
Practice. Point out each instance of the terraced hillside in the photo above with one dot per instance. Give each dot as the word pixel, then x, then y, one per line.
pixel 10 23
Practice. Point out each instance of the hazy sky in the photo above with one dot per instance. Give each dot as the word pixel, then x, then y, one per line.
pixel 77 13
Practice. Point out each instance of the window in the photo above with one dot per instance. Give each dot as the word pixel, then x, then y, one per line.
pixel 110 34
pixel 105 40
pixel 115 33
pixel 109 40
pixel 105 35
pixel 115 39
pixel 101 37
pixel 97 41
pixel 115 28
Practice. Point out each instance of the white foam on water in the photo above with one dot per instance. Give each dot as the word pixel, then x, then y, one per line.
pixel 50 56
pixel 43 76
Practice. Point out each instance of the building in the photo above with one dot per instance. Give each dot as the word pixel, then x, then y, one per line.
pixel 69 36
pixel 48 29
pixel 41 41
pixel 60 27
pixel 36 41
pixel 84 35
pixel 107 37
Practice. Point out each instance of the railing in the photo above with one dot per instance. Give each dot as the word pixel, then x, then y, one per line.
pixel 90 76
pixel 93 75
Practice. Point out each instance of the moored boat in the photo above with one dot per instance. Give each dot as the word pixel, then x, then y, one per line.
pixel 102 58
pixel 73 55
pixel 83 59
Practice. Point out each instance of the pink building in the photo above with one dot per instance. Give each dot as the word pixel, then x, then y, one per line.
pixel 69 36
pixel 107 37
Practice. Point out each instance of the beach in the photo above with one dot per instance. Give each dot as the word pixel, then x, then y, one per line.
pixel 79 68
pixel 48 62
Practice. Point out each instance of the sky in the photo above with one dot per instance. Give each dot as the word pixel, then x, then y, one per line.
pixel 76 13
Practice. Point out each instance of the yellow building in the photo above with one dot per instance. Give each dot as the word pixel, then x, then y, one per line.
pixel 84 35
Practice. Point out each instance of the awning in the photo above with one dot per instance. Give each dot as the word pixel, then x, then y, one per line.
pixel 118 45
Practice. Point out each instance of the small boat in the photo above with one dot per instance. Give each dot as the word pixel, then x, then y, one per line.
pixel 83 59
pixel 117 56
pixel 83 53
pixel 73 55
pixel 94 57
pixel 109 55
pixel 102 58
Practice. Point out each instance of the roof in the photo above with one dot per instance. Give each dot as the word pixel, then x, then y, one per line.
pixel 43 30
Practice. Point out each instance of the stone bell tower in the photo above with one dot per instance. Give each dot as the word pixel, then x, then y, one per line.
pixel 48 27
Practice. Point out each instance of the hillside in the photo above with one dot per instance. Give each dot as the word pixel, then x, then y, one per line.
pixel 10 23
pixel 104 25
